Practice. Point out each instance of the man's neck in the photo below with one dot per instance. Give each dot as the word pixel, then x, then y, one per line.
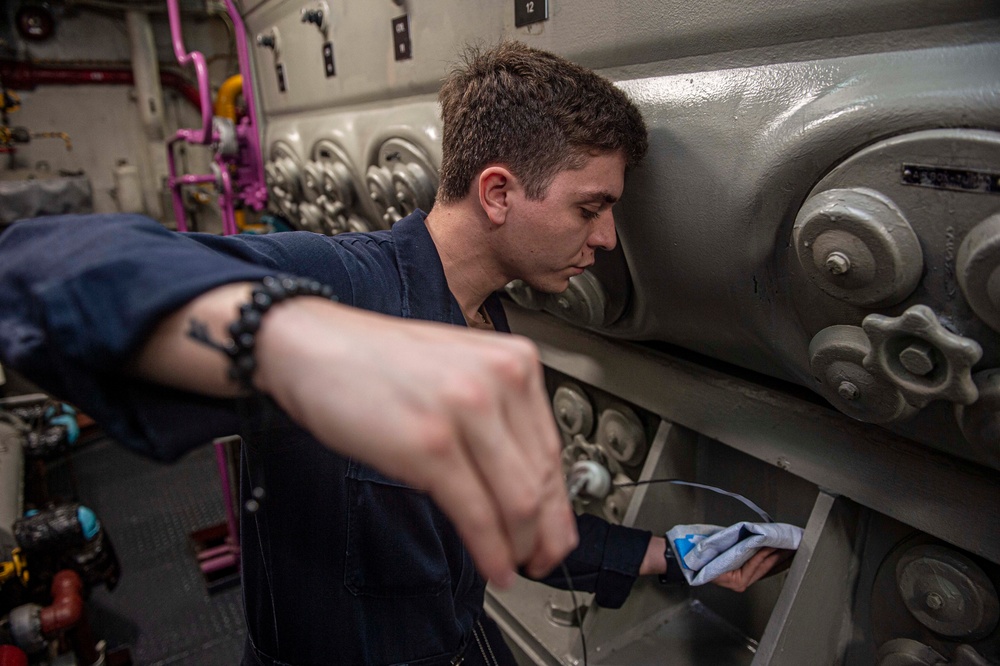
pixel 461 234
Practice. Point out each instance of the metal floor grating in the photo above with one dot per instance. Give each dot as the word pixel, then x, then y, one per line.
pixel 161 608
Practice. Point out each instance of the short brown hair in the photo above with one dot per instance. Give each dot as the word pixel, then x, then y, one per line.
pixel 533 112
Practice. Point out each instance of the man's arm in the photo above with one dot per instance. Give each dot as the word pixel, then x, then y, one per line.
pixel 89 302
pixel 460 414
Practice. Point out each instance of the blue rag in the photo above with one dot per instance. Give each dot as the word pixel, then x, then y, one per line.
pixel 707 551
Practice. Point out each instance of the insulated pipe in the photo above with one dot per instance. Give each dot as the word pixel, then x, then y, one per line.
pixel 67 603
pixel 255 192
pixel 146 73
pixel 225 107
pixel 225 99
pixel 204 134
pixel 23 76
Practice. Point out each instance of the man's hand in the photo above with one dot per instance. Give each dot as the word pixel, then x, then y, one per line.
pixel 761 564
pixel 460 414
pixel 765 561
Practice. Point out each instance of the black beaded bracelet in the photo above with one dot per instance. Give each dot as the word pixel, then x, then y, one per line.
pixel 243 332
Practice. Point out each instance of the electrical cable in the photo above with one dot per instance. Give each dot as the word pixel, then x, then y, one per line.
pixel 582 479
pixel 576 609
pixel 750 504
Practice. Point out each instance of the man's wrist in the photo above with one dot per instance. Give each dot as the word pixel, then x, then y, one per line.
pixel 674 574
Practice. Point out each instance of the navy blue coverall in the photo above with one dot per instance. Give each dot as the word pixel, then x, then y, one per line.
pixel 341 565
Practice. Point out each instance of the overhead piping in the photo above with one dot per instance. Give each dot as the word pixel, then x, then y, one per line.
pixel 26 76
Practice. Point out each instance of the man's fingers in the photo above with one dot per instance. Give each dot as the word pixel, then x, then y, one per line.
pixel 759 565
pixel 529 415
pixel 469 504
pixel 513 439
pixel 515 486
pixel 556 530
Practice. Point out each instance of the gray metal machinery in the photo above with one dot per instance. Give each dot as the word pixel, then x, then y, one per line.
pixel 804 306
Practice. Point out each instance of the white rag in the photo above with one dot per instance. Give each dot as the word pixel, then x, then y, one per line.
pixel 707 551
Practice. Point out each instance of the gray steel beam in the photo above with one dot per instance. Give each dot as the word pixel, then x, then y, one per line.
pixel 938 494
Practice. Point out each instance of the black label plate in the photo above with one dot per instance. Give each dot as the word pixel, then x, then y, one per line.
pixel 946 178
pixel 328 65
pixel 530 11
pixel 401 47
pixel 280 70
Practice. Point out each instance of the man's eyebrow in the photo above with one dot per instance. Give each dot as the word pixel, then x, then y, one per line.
pixel 597 196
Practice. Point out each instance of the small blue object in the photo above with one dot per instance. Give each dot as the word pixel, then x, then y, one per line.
pixel 88 522
pixel 72 427
pixel 683 545
pixel 31 512
pixel 66 417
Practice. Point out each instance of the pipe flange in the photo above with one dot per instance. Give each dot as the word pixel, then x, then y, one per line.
pixel 402 179
pixel 312 181
pixel 339 181
pixel 978 270
pixel 585 301
pixel 382 193
pixel 947 592
pixel 283 177
pixel 921 357
pixel 835 358
pixel 980 421
pixel 412 188
pixel 856 245
pixel 573 411
pixel 621 435
pixel 226 143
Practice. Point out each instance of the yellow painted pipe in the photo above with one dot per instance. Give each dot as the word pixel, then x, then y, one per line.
pixel 225 100
pixel 225 106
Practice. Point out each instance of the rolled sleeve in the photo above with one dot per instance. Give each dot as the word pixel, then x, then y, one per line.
pixel 80 294
pixel 606 561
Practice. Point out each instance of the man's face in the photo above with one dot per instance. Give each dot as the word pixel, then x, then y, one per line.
pixel 558 235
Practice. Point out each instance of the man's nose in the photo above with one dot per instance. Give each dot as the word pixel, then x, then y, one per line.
pixel 604 235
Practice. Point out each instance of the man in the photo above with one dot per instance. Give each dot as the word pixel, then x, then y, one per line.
pixel 342 561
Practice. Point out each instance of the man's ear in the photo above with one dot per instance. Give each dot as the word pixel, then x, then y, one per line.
pixel 496 184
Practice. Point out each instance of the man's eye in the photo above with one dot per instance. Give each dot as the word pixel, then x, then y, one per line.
pixel 589 214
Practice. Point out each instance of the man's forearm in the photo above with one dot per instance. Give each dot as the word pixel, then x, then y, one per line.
pixel 171 356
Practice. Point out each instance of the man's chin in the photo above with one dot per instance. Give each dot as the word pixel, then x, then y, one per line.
pixel 555 286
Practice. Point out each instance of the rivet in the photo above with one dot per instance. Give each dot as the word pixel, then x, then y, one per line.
pixel 934 600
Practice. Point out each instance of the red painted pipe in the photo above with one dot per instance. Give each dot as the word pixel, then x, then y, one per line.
pixel 12 656
pixel 67 603
pixel 25 76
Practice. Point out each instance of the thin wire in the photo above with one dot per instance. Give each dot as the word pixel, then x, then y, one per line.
pixel 749 503
pixel 576 608
pixel 574 490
